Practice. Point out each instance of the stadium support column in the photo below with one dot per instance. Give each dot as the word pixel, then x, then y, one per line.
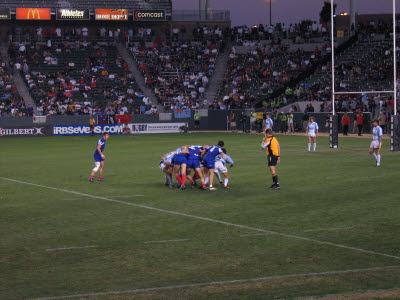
pixel 352 17
pixel 333 131
pixel 394 133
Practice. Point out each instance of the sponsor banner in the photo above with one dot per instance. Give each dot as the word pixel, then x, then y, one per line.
pixel 182 113
pixel 5 14
pixel 26 131
pixel 106 14
pixel 33 13
pixel 72 14
pixel 149 15
pixel 118 128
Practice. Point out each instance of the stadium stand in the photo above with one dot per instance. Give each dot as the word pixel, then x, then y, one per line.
pixel 11 104
pixel 78 78
pixel 177 72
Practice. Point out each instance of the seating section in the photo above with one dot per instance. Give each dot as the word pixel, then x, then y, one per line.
pixel 365 66
pixel 79 78
pixel 177 72
pixel 256 74
pixel 11 103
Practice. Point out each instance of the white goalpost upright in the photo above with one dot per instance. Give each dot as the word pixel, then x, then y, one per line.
pixel 395 121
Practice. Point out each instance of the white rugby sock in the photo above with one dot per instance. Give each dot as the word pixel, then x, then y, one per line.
pixel 309 146
pixel 218 175
pixel 378 159
pixel 374 155
pixel 206 180
pixel 226 182
pixel 315 146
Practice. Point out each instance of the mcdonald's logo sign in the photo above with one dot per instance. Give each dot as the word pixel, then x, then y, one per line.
pixel 33 13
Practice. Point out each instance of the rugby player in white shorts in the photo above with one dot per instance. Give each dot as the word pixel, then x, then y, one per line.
pixel 376 144
pixel 312 133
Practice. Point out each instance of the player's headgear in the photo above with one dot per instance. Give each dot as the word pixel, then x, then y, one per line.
pixel 221 143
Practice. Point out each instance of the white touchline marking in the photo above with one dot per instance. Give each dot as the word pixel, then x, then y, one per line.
pixel 69 248
pixel 166 241
pixel 126 196
pixel 328 229
pixel 254 234
pixel 191 285
pixel 208 219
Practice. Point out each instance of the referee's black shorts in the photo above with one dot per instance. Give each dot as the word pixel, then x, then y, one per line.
pixel 272 160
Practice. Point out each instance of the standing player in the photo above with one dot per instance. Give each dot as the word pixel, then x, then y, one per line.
pixel 91 121
pixel 99 157
pixel 312 133
pixel 268 122
pixel 273 151
pixel 209 161
pixel 376 144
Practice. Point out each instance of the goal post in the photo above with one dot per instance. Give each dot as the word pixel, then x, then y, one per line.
pixel 395 121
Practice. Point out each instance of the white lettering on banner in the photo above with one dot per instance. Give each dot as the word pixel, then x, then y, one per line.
pixel 117 129
pixel 22 131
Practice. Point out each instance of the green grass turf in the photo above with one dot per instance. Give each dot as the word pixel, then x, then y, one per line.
pixel 328 189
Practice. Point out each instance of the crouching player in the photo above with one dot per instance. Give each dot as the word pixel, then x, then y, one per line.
pixel 99 157
pixel 195 153
pixel 167 166
pixel 209 161
pixel 220 166
pixel 180 164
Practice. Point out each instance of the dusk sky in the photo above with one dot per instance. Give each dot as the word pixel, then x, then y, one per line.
pixel 252 12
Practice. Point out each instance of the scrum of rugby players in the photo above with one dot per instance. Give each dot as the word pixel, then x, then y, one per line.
pixel 205 161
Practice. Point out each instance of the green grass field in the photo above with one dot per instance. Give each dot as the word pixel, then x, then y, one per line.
pixel 333 228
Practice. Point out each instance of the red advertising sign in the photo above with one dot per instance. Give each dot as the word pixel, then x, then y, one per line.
pixel 111 14
pixel 33 13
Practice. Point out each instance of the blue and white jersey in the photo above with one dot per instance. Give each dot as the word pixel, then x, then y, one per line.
pixel 169 158
pixel 221 159
pixel 212 153
pixel 269 123
pixel 194 152
pixel 312 127
pixel 101 142
pixel 377 132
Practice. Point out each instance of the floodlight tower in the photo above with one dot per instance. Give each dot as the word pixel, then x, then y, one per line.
pixel 204 8
pixel 352 16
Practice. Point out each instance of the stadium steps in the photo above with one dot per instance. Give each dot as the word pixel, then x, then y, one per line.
pixel 133 67
pixel 23 90
pixel 18 80
pixel 219 73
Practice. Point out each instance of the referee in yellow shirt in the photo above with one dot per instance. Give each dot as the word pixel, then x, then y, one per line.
pixel 273 150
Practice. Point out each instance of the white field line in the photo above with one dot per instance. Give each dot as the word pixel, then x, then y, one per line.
pixel 329 229
pixel 254 234
pixel 208 219
pixel 126 196
pixel 166 241
pixel 237 281
pixel 70 248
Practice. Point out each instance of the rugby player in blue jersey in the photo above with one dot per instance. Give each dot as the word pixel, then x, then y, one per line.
pixel 180 164
pixel 209 161
pixel 99 157
pixel 193 163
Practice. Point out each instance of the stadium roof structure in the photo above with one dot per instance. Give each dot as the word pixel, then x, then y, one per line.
pixel 91 4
